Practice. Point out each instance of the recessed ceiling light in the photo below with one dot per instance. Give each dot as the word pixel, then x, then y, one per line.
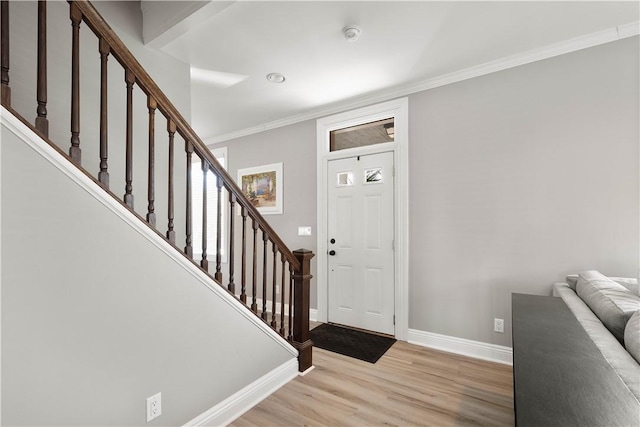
pixel 275 77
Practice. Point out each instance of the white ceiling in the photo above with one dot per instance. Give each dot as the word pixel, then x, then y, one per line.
pixel 402 43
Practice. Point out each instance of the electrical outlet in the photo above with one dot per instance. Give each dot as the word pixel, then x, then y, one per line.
pixel 498 325
pixel 154 406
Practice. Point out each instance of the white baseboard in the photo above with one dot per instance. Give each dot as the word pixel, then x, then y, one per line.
pixel 234 406
pixel 475 349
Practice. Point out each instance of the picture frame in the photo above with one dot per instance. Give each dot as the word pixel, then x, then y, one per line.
pixel 262 185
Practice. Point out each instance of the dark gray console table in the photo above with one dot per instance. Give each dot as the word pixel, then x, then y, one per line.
pixel 560 377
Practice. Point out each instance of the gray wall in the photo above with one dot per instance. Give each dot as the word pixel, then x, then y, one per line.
pixel 162 17
pixel 516 179
pixel 95 318
pixel 294 146
pixel 171 75
pixel 519 178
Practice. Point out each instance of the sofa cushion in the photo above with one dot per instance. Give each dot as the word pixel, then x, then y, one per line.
pixel 632 336
pixel 629 283
pixel 621 360
pixel 611 302
pixel 572 281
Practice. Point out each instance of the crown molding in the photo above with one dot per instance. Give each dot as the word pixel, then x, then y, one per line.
pixel 534 55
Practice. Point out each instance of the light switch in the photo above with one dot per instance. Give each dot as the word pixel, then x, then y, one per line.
pixel 304 231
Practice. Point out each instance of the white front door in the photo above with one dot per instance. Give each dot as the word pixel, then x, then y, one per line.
pixel 361 242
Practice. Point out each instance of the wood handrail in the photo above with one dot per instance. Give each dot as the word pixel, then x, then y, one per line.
pixel 293 267
pixel 122 54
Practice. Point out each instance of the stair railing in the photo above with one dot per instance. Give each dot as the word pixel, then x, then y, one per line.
pixel 292 323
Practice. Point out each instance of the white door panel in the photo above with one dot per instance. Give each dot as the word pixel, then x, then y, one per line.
pixel 345 293
pixel 360 218
pixel 344 223
pixel 373 281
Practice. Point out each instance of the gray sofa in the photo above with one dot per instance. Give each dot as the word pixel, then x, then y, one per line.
pixel 609 310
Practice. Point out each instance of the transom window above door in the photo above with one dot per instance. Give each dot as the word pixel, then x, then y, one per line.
pixel 378 132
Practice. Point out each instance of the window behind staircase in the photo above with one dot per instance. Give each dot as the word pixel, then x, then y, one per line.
pixel 212 209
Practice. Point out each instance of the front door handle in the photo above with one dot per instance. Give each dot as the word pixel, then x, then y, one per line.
pixel 332 253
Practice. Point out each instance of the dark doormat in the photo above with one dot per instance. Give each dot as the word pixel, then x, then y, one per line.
pixel 352 343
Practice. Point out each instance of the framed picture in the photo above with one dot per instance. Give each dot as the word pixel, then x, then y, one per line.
pixel 263 187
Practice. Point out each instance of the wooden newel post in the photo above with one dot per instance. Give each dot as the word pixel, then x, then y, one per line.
pixel 301 338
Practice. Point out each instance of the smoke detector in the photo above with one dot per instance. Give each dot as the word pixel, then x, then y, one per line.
pixel 351 32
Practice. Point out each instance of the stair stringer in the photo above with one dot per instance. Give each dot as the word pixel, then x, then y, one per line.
pixel 182 400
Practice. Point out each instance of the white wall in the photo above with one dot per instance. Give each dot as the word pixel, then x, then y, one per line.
pixel 96 318
pixel 516 179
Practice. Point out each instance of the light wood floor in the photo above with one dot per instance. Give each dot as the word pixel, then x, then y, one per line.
pixel 408 386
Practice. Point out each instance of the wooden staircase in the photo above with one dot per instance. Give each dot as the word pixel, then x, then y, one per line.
pixel 283 288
